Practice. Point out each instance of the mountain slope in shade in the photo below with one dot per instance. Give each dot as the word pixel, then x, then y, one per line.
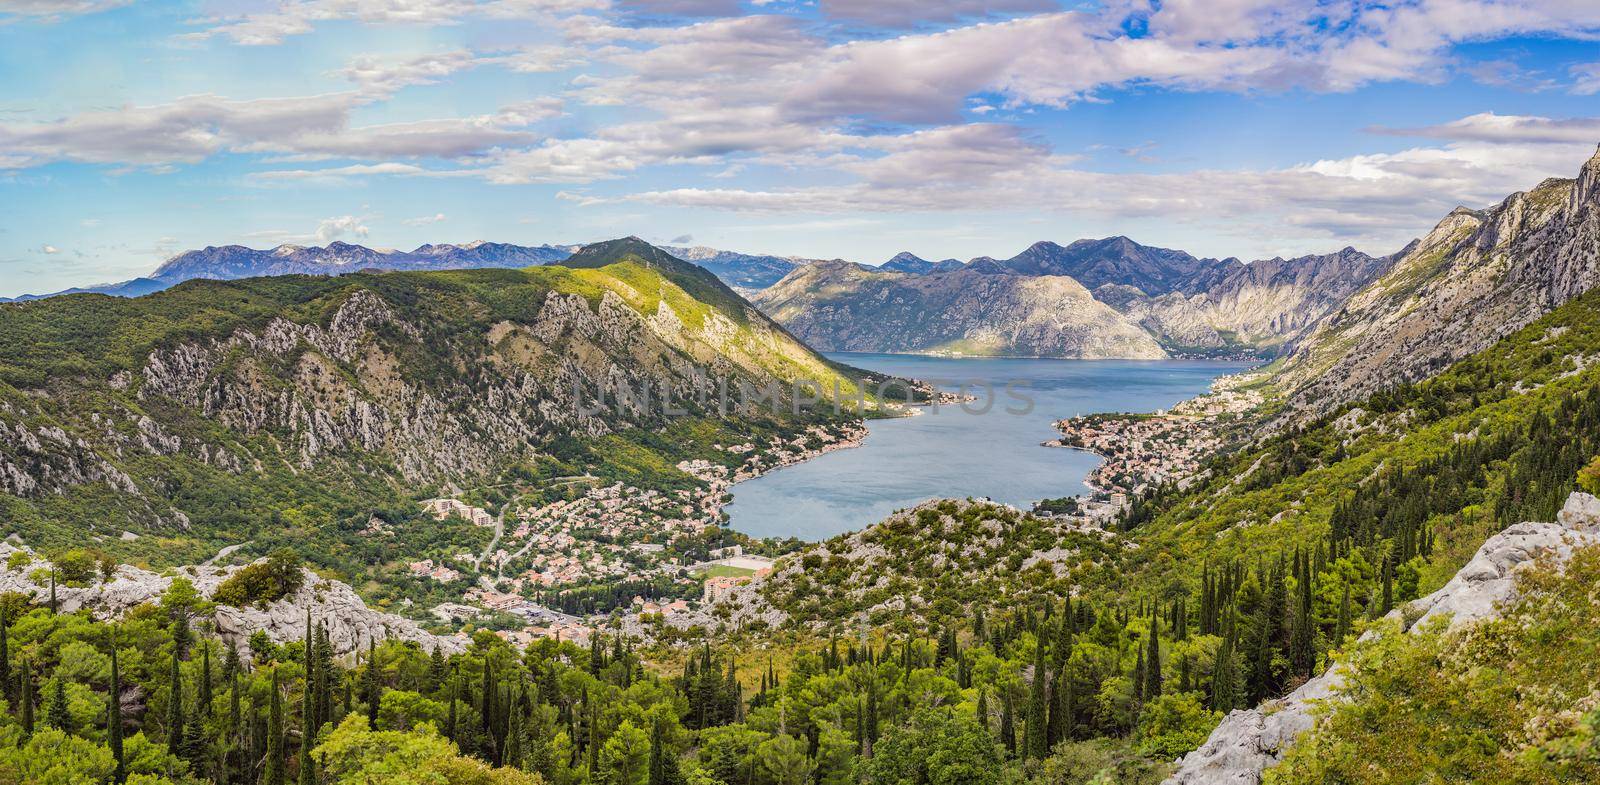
pixel 743 271
pixel 908 262
pixel 137 287
pixel 1119 260
pixel 230 262
pixel 1478 276
pixel 841 306
pixel 1258 306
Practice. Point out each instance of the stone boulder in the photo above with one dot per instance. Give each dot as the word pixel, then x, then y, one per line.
pixel 351 624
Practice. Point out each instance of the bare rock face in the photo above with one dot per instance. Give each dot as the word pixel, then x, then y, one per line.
pixel 1477 277
pixel 1250 741
pixel 839 306
pixel 351 625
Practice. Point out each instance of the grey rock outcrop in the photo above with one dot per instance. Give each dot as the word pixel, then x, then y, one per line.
pixel 1250 741
pixel 350 623
pixel 1478 276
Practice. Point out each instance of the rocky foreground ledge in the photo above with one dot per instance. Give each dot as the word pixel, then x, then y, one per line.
pixel 351 624
pixel 1250 741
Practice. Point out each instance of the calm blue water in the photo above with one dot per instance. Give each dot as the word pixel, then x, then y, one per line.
pixel 953 453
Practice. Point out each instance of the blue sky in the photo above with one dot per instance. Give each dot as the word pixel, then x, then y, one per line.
pixel 1250 128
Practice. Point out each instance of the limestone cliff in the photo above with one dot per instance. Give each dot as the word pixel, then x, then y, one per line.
pixel 839 306
pixel 1478 276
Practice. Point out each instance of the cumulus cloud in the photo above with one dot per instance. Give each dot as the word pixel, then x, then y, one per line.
pixel 329 229
pixel 49 249
pixel 1378 200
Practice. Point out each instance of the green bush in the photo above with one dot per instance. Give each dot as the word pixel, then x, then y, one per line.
pixel 263 582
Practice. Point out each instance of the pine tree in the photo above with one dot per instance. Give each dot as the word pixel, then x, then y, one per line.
pixel 114 715
pixel 273 775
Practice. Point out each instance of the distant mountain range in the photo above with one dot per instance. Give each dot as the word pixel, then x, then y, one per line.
pixel 232 262
pixel 1089 298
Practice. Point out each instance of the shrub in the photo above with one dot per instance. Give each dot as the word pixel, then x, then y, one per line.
pixel 262 583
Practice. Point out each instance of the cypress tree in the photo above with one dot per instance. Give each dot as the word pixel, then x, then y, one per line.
pixel 371 685
pixel 175 723
pixel 57 712
pixel 27 697
pixel 114 715
pixel 872 709
pixel 1302 646
pixel 983 708
pixel 1036 740
pixel 53 604
pixel 204 697
pixel 307 702
pixel 5 657
pixel 235 739
pixel 450 719
pixel 1342 629
pixel 1223 677
pixel 1152 670
pixel 1008 727
pixel 273 774
pixel 657 756
pixel 1388 586
pixel 513 756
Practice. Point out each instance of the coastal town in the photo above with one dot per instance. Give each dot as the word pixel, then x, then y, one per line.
pixel 652 542
pixel 609 535
pixel 1141 452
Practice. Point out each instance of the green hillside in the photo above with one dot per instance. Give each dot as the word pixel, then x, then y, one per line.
pixel 298 409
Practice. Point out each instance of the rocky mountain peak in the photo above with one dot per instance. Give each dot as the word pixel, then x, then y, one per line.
pixel 1587 188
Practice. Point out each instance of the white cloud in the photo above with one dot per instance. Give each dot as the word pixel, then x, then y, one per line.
pixel 1377 200
pixel 1510 129
pixel 908 13
pixel 1585 78
pixel 330 229
pixel 52 10
pixel 193 128
pixel 425 220
pixel 49 249
pixel 298 17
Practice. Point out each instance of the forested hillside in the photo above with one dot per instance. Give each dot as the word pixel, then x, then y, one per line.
pixel 300 409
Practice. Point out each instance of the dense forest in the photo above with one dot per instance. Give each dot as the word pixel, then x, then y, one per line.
pixel 994 666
